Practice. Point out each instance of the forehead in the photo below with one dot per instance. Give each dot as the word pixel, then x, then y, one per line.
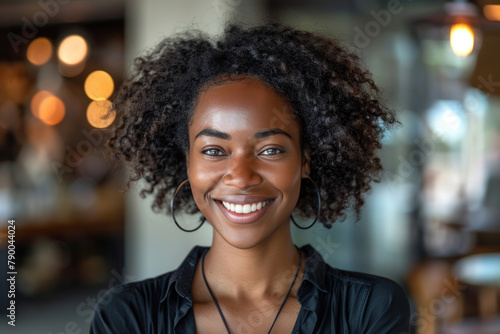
pixel 243 105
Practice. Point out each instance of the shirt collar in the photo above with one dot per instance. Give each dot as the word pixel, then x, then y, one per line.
pixel 315 268
pixel 183 276
pixel 313 281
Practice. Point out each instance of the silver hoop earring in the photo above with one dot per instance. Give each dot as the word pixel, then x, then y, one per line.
pixel 318 211
pixel 172 208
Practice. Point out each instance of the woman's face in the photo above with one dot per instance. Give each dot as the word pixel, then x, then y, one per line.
pixel 244 161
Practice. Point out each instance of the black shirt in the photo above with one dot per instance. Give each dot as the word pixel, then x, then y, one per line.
pixel 332 301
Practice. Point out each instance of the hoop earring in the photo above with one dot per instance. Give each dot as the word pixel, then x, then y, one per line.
pixel 317 213
pixel 172 209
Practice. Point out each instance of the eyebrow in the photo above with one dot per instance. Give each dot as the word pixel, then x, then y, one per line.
pixel 213 133
pixel 226 136
pixel 272 132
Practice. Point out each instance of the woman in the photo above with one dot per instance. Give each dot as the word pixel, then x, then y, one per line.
pixel 266 123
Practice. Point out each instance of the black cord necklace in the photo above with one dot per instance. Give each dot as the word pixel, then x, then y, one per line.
pixel 217 304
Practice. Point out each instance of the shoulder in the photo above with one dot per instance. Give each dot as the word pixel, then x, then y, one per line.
pixel 372 285
pixel 376 304
pixel 143 306
pixel 127 293
pixel 127 307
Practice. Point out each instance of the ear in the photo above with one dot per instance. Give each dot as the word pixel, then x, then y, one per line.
pixel 306 163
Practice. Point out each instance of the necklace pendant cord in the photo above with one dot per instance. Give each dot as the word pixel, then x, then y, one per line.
pixel 217 304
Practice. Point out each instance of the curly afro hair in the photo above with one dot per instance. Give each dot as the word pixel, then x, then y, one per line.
pixel 339 108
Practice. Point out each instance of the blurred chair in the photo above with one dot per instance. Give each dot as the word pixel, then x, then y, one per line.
pixel 482 271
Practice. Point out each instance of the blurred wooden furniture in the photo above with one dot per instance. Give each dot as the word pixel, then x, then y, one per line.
pixel 436 294
pixel 105 217
pixel 482 271
pixel 457 295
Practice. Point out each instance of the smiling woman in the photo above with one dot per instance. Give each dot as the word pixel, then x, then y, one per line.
pixel 262 123
pixel 236 158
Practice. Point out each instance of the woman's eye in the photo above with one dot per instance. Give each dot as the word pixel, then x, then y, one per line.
pixel 272 151
pixel 212 152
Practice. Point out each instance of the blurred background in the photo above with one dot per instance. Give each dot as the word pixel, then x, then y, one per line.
pixel 432 223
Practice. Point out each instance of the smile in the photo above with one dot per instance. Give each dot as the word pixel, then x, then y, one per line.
pixel 244 213
pixel 245 208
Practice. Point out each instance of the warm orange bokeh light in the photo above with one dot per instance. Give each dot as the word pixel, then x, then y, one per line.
pixel 99 85
pixel 492 12
pixel 36 101
pixel 39 51
pixel 99 114
pixel 72 50
pixel 461 39
pixel 52 110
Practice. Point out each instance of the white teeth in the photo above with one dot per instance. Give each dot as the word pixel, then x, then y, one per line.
pixel 245 208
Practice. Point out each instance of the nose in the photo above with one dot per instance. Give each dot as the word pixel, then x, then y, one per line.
pixel 242 172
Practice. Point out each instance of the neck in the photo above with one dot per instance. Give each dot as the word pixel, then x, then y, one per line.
pixel 259 272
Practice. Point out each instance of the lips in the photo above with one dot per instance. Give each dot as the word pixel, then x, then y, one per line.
pixel 244 212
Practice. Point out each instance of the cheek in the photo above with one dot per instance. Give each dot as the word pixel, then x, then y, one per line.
pixel 202 177
pixel 288 180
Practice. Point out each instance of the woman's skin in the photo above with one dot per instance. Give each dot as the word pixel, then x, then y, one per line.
pixel 244 147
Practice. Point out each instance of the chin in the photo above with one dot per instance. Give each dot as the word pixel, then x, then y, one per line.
pixel 240 239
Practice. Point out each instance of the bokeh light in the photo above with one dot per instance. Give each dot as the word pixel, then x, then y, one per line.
pixel 39 51
pixel 462 39
pixel 72 50
pixel 492 12
pixel 52 110
pixel 36 101
pixel 447 120
pixel 99 114
pixel 99 85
